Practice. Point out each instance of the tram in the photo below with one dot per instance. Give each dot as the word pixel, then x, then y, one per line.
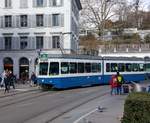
pixel 68 71
pixel 147 67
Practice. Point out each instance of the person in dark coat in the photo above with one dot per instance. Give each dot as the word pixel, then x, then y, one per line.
pixel 11 79
pixel 34 79
pixel 6 81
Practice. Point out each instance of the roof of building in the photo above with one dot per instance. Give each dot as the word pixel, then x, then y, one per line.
pixel 79 4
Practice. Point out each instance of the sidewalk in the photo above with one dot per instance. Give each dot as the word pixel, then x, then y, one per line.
pixel 19 88
pixel 111 112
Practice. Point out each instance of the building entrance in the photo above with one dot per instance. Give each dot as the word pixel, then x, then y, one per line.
pixel 24 69
pixel 8 64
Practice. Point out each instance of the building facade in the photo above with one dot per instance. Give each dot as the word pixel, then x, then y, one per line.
pixel 28 27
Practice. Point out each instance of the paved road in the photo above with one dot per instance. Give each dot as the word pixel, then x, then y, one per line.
pixel 88 113
pixel 53 106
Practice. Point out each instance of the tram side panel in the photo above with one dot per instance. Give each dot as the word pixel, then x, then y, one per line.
pixel 68 76
pixel 130 70
pixel 147 69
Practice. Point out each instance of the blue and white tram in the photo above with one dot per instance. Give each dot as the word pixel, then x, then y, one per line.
pixel 147 67
pixel 131 68
pixel 64 71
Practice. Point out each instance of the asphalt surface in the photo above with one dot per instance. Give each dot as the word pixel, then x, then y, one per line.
pixel 68 106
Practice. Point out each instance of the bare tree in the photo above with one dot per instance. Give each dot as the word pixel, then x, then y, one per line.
pixel 89 44
pixel 96 13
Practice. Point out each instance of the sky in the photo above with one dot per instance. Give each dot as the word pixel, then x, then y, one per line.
pixel 145 4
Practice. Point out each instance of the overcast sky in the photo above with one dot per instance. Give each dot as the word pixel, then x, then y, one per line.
pixel 145 3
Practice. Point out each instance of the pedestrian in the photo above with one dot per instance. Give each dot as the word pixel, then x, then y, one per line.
pixel 33 79
pixel 120 82
pixel 113 85
pixel 11 79
pixel 2 79
pixel 6 81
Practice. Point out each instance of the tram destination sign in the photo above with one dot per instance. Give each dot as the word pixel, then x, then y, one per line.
pixel 44 57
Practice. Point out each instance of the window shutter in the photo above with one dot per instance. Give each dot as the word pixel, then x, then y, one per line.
pixel 46 40
pixel 46 20
pixel 33 21
pixel 50 20
pixel 14 21
pixel 45 3
pixel 62 20
pixel 32 42
pixel 29 21
pixel 23 3
pixel 49 42
pixel 13 42
pixel 2 42
pixel 62 2
pixel 1 21
pixel 18 21
pixel 34 3
pixel 50 3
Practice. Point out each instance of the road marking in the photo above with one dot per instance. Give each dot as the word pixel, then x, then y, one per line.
pixel 82 117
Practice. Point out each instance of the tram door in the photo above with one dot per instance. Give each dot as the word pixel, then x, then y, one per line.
pixel 24 68
pixel 8 64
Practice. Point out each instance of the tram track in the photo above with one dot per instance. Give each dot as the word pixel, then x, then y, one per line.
pixel 72 108
pixel 16 93
pixel 75 103
pixel 29 96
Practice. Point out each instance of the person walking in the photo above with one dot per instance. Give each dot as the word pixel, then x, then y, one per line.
pixel 2 83
pixel 120 82
pixel 113 85
pixel 11 79
pixel 33 79
pixel 6 81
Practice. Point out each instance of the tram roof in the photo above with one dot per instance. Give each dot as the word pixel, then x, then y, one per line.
pixel 123 58
pixel 67 56
pixel 89 57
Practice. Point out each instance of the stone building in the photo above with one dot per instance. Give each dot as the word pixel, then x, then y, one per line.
pixel 28 27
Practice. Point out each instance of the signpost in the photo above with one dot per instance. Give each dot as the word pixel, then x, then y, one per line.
pixel 44 57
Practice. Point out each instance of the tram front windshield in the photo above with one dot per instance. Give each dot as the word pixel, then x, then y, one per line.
pixel 43 69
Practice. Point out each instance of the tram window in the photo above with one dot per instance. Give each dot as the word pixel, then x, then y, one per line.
pixel 147 67
pixel 64 67
pixel 88 67
pixel 128 67
pixel 121 67
pixel 73 67
pixel 94 67
pixel 43 68
pixel 80 67
pixel 54 68
pixel 99 67
pixel 114 67
pixel 135 67
pixel 107 67
pixel 141 67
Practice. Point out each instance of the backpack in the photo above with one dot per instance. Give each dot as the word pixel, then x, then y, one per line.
pixel 120 79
